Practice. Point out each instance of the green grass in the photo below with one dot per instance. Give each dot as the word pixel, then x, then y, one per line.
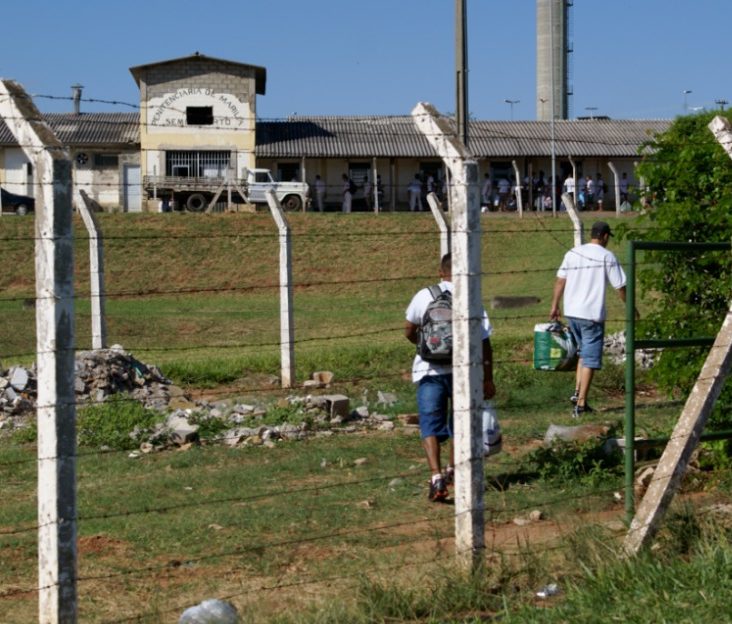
pixel 300 532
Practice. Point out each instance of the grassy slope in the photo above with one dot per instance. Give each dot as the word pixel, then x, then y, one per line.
pixel 239 505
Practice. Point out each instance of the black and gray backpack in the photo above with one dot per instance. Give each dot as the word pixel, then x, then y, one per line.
pixel 435 336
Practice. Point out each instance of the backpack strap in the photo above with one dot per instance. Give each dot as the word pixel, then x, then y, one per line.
pixel 435 290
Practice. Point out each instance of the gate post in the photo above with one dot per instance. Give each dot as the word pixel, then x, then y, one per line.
pixel 96 275
pixel 56 411
pixel 467 359
pixel 287 331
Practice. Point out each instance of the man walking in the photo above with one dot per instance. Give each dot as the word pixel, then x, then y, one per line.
pixel 434 385
pixel 582 279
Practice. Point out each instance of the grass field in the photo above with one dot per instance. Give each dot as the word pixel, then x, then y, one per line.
pixel 337 528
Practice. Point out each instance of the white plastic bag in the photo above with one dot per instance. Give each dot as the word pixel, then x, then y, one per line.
pixel 210 612
pixel 492 439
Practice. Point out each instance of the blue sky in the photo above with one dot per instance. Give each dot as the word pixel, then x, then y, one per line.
pixel 632 58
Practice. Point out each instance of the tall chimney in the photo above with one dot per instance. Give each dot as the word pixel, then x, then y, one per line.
pixel 552 84
pixel 76 97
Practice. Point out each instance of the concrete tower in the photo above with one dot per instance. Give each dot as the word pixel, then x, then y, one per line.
pixel 552 58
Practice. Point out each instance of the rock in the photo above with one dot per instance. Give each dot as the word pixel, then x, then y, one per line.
pixel 360 412
pixel 311 383
pixel 616 526
pixel 395 483
pixel 580 433
pixel 3 383
pixel 181 431
pixel 536 515
pixel 386 426
pixel 360 461
pixel 387 399
pixel 323 377
pixel 369 503
pixel 521 521
pixel 337 405
pixel 210 612
pixel 146 447
pixel 18 378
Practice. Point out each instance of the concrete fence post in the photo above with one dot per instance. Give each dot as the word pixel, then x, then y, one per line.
pixel 616 185
pixel 467 351
pixel 569 204
pixel 518 188
pixel 96 275
pixel 287 329
pixel 439 215
pixel 56 411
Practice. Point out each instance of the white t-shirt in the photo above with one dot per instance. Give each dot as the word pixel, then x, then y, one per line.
pixel 569 185
pixel 415 313
pixel 588 269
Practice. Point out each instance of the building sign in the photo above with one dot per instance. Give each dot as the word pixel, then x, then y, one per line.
pixel 169 111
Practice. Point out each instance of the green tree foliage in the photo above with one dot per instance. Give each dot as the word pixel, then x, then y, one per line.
pixel 688 178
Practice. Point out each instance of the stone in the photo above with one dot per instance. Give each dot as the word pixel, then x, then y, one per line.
pixel 580 433
pixel 311 383
pixel 361 411
pixel 387 399
pixel 146 447
pixel 181 431
pixel 18 378
pixel 337 405
pixel 386 426
pixel 521 521
pixel 360 461
pixel 536 515
pixel 3 383
pixel 369 503
pixel 323 377
pixel 395 483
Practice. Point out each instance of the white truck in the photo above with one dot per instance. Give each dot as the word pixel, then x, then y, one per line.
pixel 292 195
pixel 205 194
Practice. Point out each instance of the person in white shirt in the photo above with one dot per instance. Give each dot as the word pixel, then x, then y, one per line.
pixel 434 385
pixel 319 186
pixel 599 191
pixel 569 185
pixel 582 279
pixel 415 194
pixel 504 188
pixel 486 191
pixel 590 192
pixel 347 194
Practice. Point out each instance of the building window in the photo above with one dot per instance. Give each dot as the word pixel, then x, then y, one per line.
pixel 106 161
pixel 199 115
pixel 203 164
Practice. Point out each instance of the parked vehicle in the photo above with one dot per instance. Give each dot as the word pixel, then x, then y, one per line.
pixel 16 204
pixel 197 194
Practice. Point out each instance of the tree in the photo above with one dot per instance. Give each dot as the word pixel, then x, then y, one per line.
pixel 688 190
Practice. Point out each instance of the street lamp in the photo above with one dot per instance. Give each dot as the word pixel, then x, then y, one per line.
pixel 721 103
pixel 511 102
pixel 592 110
pixel 686 106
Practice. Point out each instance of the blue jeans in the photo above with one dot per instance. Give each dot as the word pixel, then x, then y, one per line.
pixel 589 336
pixel 435 418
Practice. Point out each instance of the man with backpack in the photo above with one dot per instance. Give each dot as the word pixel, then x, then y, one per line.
pixel 429 326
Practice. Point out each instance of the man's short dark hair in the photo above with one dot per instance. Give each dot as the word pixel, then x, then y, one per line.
pixel 599 229
pixel 446 264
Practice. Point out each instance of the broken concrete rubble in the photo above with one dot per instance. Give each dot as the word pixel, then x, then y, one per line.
pixel 103 373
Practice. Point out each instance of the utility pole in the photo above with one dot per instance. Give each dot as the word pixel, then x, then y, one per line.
pixel 461 69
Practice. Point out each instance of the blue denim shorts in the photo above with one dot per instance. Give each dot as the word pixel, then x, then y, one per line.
pixel 589 336
pixel 434 392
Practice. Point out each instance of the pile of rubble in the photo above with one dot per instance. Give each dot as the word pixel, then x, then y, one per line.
pixel 102 373
pixel 97 375
pixel 615 348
